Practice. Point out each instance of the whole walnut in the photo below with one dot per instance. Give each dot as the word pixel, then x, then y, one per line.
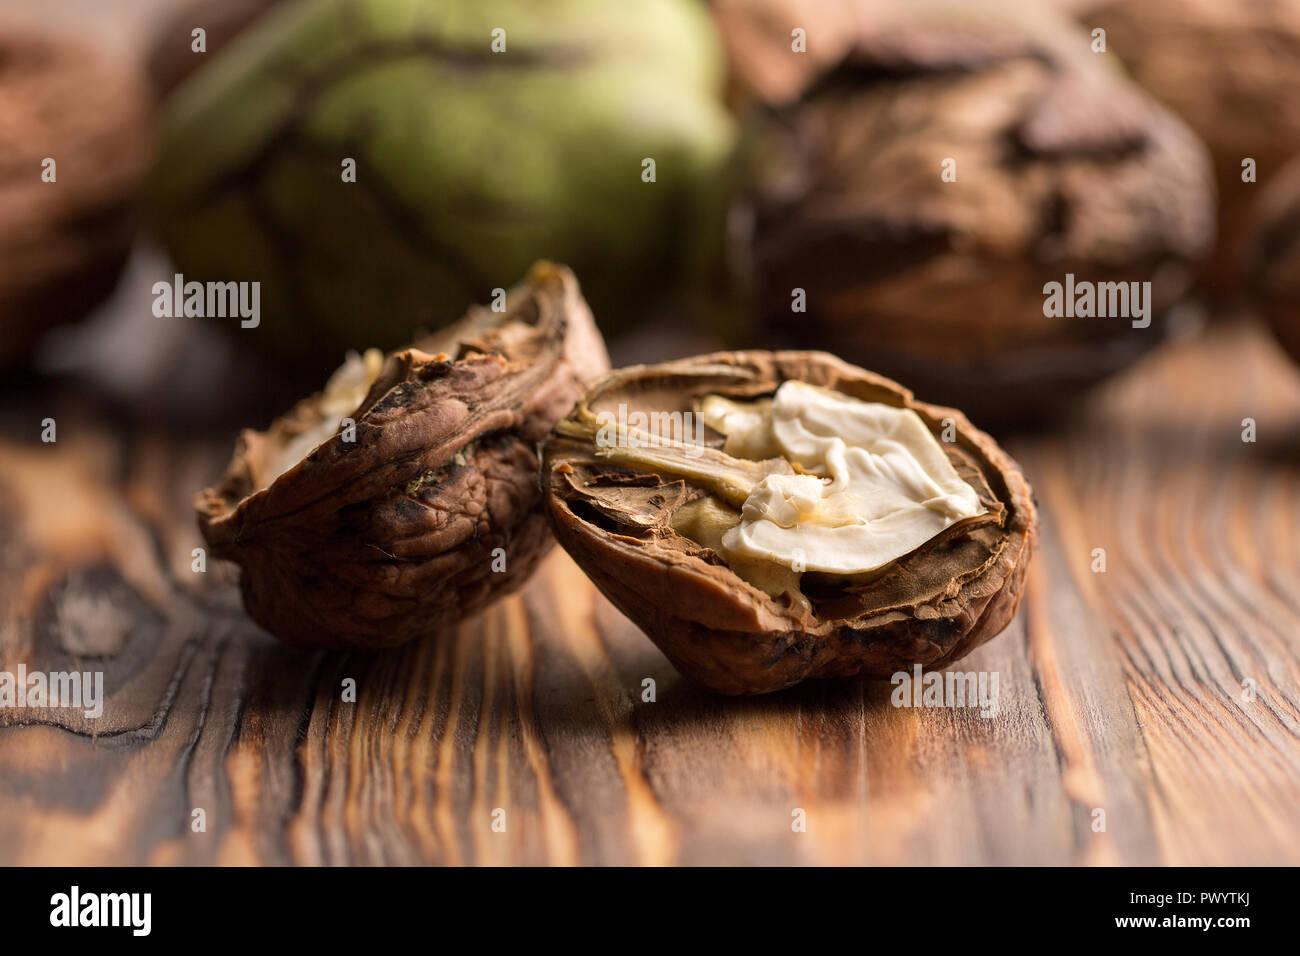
pixel 404 496
pixel 1230 71
pixel 911 202
pixel 1273 256
pixel 74 146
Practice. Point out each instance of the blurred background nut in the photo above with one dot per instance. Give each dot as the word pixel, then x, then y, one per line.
pixel 592 133
pixel 404 496
pixel 924 189
pixel 74 146
pixel 761 38
pixel 1230 71
pixel 1273 256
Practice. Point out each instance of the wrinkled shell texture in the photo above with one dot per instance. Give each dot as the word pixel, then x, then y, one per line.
pixel 1231 72
pixel 374 542
pixel 1274 256
pixel 1061 167
pixel 64 242
pixel 931 607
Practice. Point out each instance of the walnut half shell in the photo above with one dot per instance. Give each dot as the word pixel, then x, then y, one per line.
pixel 428 509
pixel 930 607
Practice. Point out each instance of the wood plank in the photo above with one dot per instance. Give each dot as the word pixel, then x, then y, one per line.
pixel 1119 691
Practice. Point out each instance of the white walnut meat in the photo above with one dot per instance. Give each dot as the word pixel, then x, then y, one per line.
pixel 431 511
pixel 1061 166
pixel 639 515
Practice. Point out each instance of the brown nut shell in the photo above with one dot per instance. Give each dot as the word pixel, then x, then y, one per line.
pixel 1228 70
pixel 937 276
pixel 930 607
pixel 372 542
pixel 1273 256
pixel 67 228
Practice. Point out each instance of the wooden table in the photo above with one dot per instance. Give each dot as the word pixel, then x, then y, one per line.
pixel 1120 691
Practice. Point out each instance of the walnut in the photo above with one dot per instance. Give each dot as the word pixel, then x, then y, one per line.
pixel 1273 256
pixel 404 496
pixel 74 146
pixel 920 192
pixel 350 154
pixel 653 506
pixel 1230 71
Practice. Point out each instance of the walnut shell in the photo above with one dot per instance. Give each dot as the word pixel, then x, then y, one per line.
pixel 1273 256
pixel 930 607
pixel 64 242
pixel 1061 168
pixel 1228 70
pixel 372 542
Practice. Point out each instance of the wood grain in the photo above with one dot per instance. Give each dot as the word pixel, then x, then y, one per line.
pixel 1120 691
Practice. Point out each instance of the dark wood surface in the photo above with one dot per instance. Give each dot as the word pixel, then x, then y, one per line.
pixel 1119 691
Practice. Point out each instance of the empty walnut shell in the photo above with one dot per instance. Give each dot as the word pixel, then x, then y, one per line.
pixel 1273 256
pixel 930 607
pixel 67 226
pixel 431 511
pixel 909 205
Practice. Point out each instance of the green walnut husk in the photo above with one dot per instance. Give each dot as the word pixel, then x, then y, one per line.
pixel 470 163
